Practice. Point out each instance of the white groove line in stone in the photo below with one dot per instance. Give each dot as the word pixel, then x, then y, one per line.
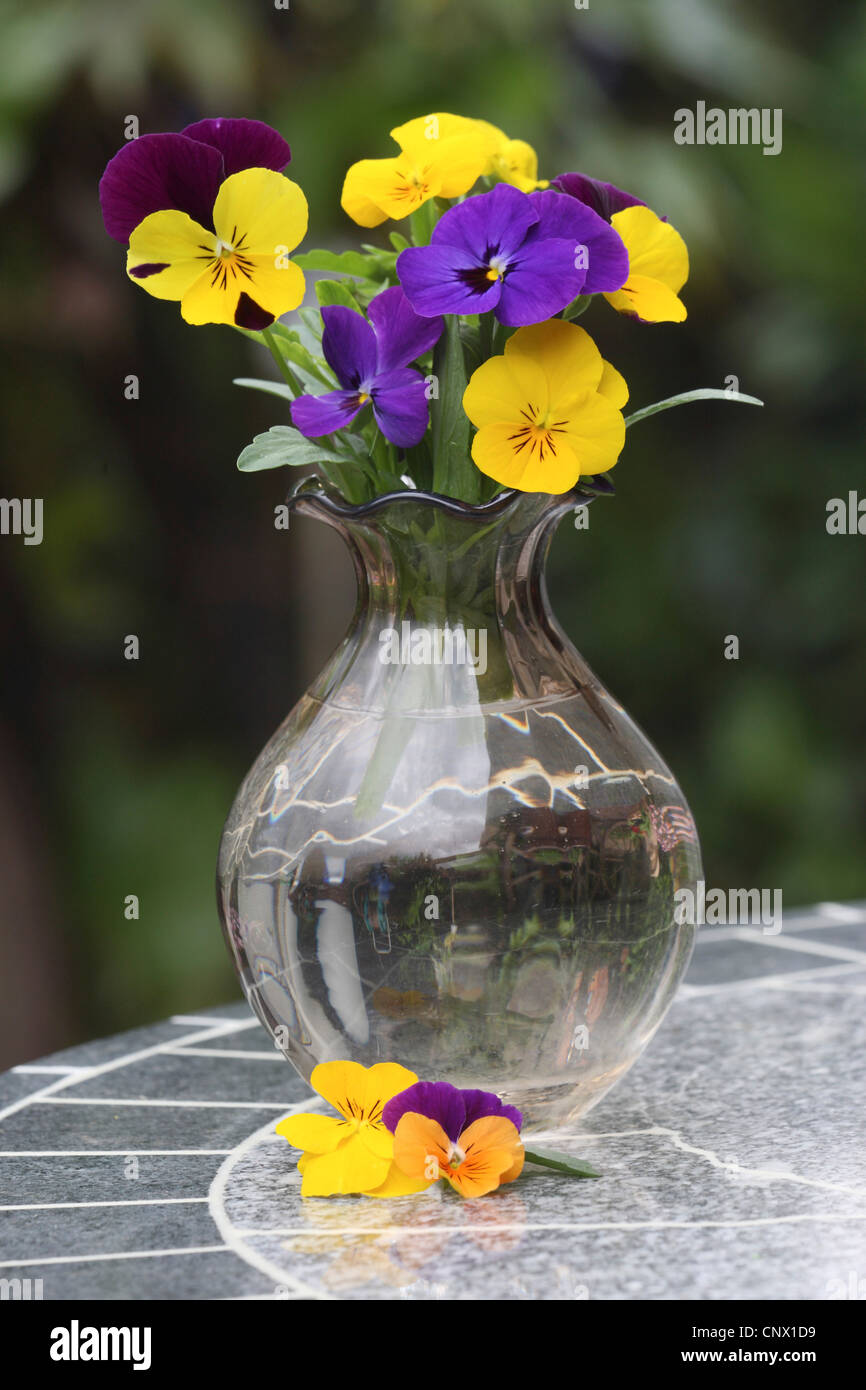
pixel 178 1050
pixel 780 942
pixel 169 1104
pixel 116 1255
pixel 109 1153
pixel 527 1226
pixel 205 1019
pixel 113 1064
pixel 132 1202
pixel 229 1232
pixel 758 982
pixel 32 1069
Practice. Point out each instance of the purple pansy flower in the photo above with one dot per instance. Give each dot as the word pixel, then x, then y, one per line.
pixel 525 256
pixel 603 198
pixel 453 1109
pixel 183 172
pixel 370 361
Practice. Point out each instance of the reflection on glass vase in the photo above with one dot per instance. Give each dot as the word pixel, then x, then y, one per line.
pixel 458 852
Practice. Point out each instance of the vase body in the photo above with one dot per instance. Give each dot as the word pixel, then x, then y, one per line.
pixel 458 852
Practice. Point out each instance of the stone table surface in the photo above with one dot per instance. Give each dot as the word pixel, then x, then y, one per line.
pixel 145 1166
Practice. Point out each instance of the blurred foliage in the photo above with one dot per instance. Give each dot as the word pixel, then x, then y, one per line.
pixel 718 526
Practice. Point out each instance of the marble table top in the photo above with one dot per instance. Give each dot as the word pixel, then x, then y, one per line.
pixel 145 1166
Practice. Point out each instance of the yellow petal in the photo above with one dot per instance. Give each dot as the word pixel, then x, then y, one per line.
pixel 565 353
pixel 459 150
pixel 421 1147
pixel 596 434
pixel 530 468
pixel 343 1085
pixel 356 200
pixel 379 1140
pixel 173 240
pixel 397 1184
pixel 350 1168
pixel 502 387
pixel 613 386
pixel 383 1081
pixel 260 212
pixel 318 1134
pixel 649 300
pixel 655 248
pixel 394 187
pixel 516 162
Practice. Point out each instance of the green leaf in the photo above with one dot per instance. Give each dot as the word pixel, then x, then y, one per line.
pixel 284 446
pixel 336 292
pixel 561 1163
pixel 577 307
pixel 454 473
pixel 342 263
pixel 312 321
pixel 271 388
pixel 707 393
pixel 398 241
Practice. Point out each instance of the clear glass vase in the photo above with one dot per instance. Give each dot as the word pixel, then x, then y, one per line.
pixel 458 852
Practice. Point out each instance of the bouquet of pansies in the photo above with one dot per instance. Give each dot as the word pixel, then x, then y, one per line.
pixel 449 361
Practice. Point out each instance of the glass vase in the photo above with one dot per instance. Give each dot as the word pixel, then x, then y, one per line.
pixel 458 852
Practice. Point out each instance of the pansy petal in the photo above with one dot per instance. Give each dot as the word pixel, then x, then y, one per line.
pixel 155 173
pixel 655 248
pixel 261 213
pixel 481 1103
pixel 349 345
pixel 419 1145
pixel 435 281
pixel 613 385
pixel 351 1167
pixel 168 253
pixel 517 163
pixel 355 199
pixel 341 1084
pixel 603 198
pixel 378 1140
pixel 401 334
pixel 243 144
pixel 542 279
pixel 438 1100
pixel 456 148
pixel 271 288
pixel 397 1184
pixel 516 1168
pixel 393 187
pixel 565 354
pixel 400 406
pixel 648 300
pixel 502 387
pixel 384 1080
pixel 318 1134
pixel 596 433
pixel 515 463
pixel 497 221
pixel 492 1147
pixel 566 219
pixel 315 416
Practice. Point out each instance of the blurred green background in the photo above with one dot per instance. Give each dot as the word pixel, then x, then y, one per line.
pixel 115 776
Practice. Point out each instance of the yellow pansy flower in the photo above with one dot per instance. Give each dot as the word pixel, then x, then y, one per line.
pixel 440 156
pixel 354 1153
pixel 547 411
pixel 240 272
pixel 658 267
pixel 512 161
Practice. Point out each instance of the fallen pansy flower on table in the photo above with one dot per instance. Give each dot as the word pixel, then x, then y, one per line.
pixel 395 1139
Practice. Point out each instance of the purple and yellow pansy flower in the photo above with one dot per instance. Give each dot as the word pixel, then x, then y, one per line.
pixel 370 359
pixel 523 256
pixel 468 1137
pixel 547 411
pixel 658 258
pixel 210 220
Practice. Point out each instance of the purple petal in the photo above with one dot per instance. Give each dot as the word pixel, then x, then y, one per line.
pixel 541 282
pixel 400 406
pixel 481 1103
pixel 446 280
pixel 603 198
pixel 489 224
pixel 157 172
pixel 318 415
pixel 402 335
pixel 349 345
pixel 438 1100
pixel 606 255
pixel 243 144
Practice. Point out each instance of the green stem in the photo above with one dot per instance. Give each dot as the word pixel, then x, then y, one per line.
pixel 707 393
pixel 285 370
pixel 562 1163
